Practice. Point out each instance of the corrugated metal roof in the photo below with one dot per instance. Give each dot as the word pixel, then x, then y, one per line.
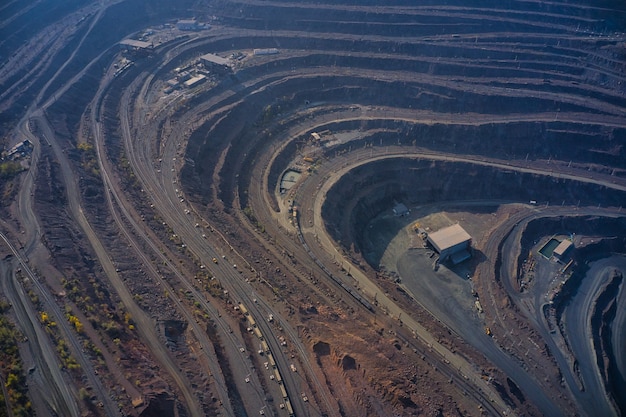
pixel 448 237
pixel 215 59
pixel 136 44
pixel 194 80
pixel 562 248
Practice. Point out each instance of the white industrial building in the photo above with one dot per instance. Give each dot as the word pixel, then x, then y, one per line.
pixel 452 243
pixel 187 24
pixel 132 44
pixel 213 61
pixel 195 80
pixel 266 51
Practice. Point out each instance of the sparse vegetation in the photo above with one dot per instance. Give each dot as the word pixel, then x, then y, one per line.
pixel 525 84
pixel 9 169
pixel 11 370
pixel 88 158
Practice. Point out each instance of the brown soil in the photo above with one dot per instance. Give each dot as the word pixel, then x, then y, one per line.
pixel 507 91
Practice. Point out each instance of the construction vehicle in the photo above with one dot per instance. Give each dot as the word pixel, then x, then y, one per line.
pixel 488 331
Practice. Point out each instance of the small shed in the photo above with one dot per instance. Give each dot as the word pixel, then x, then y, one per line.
pixel 400 210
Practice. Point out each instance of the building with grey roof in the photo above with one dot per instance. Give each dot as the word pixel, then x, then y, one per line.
pixel 214 61
pixel 400 210
pixel 187 24
pixel 135 44
pixel 452 243
pixel 195 80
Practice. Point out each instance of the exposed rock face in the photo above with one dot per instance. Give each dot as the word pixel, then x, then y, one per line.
pixel 413 181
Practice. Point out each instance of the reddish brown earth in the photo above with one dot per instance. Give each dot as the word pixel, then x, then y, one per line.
pixel 533 85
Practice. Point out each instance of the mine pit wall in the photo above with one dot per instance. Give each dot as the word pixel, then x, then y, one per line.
pixel 567 141
pixel 258 16
pixel 112 27
pixel 604 312
pixel 32 90
pixel 416 61
pixel 601 314
pixel 579 225
pixel 615 242
pixel 245 131
pixel 205 147
pixel 65 113
pixel 520 139
pixel 423 181
pixel 589 253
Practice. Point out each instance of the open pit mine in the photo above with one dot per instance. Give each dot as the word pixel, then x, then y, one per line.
pixel 329 208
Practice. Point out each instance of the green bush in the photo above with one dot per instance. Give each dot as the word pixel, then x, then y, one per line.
pixel 10 169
